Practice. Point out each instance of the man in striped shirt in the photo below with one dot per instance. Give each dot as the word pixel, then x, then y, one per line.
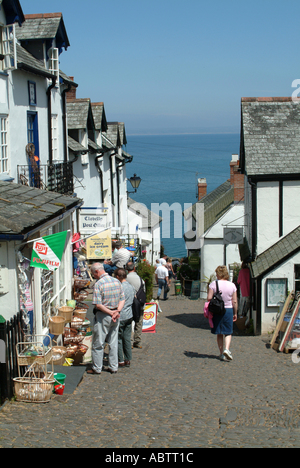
pixel 109 300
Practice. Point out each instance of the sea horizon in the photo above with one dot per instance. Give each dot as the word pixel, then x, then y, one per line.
pixel 170 165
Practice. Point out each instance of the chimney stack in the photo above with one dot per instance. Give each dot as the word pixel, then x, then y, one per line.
pixel 71 95
pixel 202 188
pixel 237 179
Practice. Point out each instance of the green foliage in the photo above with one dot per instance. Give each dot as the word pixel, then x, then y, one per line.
pixel 146 272
pixel 187 272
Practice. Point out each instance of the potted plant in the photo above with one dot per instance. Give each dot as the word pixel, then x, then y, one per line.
pixel 146 272
pixel 187 274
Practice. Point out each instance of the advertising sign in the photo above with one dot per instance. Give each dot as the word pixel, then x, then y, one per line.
pixel 47 252
pixel 150 318
pixel 99 246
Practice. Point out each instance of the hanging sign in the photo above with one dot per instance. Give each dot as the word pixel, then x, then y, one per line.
pixel 150 318
pixel 99 246
pixel 233 236
pixel 48 251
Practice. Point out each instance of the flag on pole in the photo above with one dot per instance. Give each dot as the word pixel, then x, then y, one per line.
pixel 48 251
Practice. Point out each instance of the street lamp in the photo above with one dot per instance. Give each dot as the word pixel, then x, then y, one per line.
pixel 135 182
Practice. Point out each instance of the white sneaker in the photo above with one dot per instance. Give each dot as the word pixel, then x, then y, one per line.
pixel 228 354
pixel 223 358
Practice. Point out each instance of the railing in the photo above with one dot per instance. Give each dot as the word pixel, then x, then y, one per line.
pixel 56 177
pixel 10 335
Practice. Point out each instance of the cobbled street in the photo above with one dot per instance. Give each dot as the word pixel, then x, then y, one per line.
pixel 177 394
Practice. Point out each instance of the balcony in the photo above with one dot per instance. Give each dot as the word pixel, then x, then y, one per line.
pixel 57 177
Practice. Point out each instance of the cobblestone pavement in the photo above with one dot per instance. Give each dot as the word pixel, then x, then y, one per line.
pixel 176 394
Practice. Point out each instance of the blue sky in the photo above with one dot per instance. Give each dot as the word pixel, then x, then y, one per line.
pixel 178 66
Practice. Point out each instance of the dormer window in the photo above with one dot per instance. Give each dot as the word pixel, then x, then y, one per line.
pixel 8 47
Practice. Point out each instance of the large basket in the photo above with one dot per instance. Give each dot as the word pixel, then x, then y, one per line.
pixel 66 312
pixel 59 355
pixel 57 325
pixel 33 390
pixel 28 360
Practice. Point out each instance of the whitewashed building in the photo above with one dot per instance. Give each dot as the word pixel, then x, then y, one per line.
pixel 270 144
pixel 221 209
pixel 146 225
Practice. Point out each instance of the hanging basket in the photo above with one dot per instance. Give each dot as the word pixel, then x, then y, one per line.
pixel 66 312
pixel 56 325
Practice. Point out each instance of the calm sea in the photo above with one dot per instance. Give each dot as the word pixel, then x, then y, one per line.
pixel 170 166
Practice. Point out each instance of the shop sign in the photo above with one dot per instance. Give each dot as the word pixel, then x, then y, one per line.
pixel 92 220
pixel 99 246
pixel 233 236
pixel 4 289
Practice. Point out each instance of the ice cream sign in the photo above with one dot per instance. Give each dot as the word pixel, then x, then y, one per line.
pixel 92 220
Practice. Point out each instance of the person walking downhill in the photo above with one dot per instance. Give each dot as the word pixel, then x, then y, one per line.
pixel 162 279
pixel 109 300
pixel 124 337
pixel 223 325
pixel 135 280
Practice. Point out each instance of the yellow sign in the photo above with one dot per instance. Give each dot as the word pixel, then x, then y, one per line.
pixel 99 246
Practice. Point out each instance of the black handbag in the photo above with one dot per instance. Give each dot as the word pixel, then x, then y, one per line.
pixel 216 305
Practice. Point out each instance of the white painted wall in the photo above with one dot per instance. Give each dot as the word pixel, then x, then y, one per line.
pixel 212 252
pixel 286 270
pixel 9 303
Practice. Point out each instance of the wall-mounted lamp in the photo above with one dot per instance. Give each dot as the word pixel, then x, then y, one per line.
pixel 135 182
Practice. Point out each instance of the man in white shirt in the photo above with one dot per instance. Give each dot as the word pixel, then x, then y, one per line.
pixel 162 279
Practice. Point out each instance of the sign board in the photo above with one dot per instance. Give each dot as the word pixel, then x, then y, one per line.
pixel 92 220
pixel 4 283
pixel 99 246
pixel 233 236
pixel 195 291
pixel 150 318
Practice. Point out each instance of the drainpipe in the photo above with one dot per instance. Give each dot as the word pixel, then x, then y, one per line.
pixel 49 118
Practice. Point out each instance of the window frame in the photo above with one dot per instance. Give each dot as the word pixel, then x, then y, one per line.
pixel 4 161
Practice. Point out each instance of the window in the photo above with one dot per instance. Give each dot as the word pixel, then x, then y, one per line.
pixel 54 62
pixel 54 128
pixel 3 145
pixel 297 278
pixel 8 47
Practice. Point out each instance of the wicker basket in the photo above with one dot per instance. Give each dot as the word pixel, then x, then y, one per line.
pixel 66 312
pixel 59 355
pixel 77 323
pixel 56 325
pixel 81 283
pixel 33 390
pixel 81 313
pixel 71 336
pixel 80 296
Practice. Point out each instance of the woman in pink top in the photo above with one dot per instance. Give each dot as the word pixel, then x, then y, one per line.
pixel 223 325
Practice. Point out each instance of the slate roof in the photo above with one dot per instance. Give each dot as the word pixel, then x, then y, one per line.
pixel 149 218
pixel 99 116
pixel 27 62
pixel 42 27
pixel 76 147
pixel 113 133
pixel 216 203
pixel 278 253
pixel 79 113
pixel 270 136
pixel 23 208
